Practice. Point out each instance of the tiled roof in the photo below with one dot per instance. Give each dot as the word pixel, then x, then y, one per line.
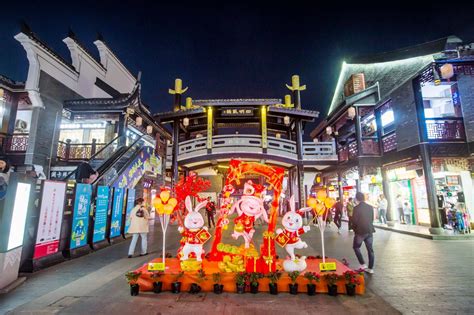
pixel 25 29
pixel 11 83
pixel 392 68
pixel 305 113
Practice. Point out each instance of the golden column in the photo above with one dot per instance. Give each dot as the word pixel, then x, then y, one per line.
pixel 210 122
pixel 264 128
pixel 177 91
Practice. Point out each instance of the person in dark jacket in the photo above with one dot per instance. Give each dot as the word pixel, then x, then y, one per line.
pixel 85 173
pixel 362 223
pixel 338 214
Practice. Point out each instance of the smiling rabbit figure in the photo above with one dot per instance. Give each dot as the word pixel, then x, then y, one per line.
pixel 194 231
pixel 293 224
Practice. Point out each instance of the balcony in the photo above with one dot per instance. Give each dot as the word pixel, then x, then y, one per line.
pixel 451 129
pixel 68 151
pixel 226 146
pixel 16 143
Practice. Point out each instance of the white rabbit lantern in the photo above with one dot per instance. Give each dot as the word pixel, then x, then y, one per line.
pixel 289 238
pixel 194 231
pixel 249 208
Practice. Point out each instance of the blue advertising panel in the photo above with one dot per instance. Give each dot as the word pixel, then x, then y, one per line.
pixel 116 221
pixel 101 208
pixel 130 204
pixel 80 219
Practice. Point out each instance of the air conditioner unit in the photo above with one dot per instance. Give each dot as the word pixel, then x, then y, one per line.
pixel 21 125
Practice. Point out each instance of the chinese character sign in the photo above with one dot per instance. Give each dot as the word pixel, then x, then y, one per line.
pixel 116 221
pixel 80 220
pixel 100 219
pixel 50 218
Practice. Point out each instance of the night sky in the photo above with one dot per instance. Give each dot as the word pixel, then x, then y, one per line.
pixel 232 50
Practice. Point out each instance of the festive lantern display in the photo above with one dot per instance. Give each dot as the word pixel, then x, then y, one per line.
pixel 321 195
pixel 312 202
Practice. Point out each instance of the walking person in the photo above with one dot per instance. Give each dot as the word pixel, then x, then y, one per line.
pixel 338 214
pixel 138 227
pixel 383 205
pixel 210 211
pixel 399 203
pixel 350 210
pixel 407 212
pixel 362 222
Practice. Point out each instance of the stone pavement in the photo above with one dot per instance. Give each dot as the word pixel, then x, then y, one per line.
pixel 413 275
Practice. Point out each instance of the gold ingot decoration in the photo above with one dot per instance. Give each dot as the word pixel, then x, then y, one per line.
pixel 239 228
pixel 295 84
pixel 178 87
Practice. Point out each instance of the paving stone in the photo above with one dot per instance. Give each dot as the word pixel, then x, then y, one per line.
pixel 412 275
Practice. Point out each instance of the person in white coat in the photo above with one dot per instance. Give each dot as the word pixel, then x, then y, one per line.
pixel 138 227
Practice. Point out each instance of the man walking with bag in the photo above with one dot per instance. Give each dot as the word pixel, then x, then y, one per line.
pixel 362 223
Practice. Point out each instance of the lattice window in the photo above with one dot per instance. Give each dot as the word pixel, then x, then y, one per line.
pixel 445 129
pixel 389 143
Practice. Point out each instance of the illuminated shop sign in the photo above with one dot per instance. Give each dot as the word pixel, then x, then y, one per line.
pixel 237 112
pixel 20 209
pixel 83 126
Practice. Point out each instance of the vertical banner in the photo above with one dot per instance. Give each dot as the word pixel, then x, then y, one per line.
pixel 130 204
pixel 116 221
pixel 101 209
pixel 80 219
pixel 50 218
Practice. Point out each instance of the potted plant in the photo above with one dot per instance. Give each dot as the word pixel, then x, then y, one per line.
pixel 195 287
pixel 293 285
pixel 253 279
pixel 352 280
pixel 132 277
pixel 331 280
pixel 218 287
pixel 273 277
pixel 311 286
pixel 240 281
pixel 157 285
pixel 176 285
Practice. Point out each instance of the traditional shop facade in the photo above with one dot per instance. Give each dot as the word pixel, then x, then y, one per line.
pixel 402 123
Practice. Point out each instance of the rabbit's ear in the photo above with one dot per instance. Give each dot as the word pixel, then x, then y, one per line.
pixel 200 206
pixel 306 209
pixel 292 203
pixel 189 204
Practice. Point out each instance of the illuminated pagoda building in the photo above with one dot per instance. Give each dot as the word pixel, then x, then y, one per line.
pixel 207 134
pixel 402 123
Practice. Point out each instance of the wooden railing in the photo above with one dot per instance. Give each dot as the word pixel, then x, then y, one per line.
pixel 445 129
pixel 68 151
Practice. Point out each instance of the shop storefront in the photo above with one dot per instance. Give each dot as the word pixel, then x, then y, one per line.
pixel 454 186
pixel 408 182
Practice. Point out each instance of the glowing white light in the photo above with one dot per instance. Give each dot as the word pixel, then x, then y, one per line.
pixel 387 118
pixel 20 208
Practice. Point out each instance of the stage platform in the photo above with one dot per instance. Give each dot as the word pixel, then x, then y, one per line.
pixel 227 278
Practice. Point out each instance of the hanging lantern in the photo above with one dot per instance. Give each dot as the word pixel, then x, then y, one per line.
pixel 328 130
pixel 278 136
pixel 351 112
pixel 149 129
pixel 139 121
pixel 318 179
pixel 447 71
pixel 186 121
pixel 286 120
